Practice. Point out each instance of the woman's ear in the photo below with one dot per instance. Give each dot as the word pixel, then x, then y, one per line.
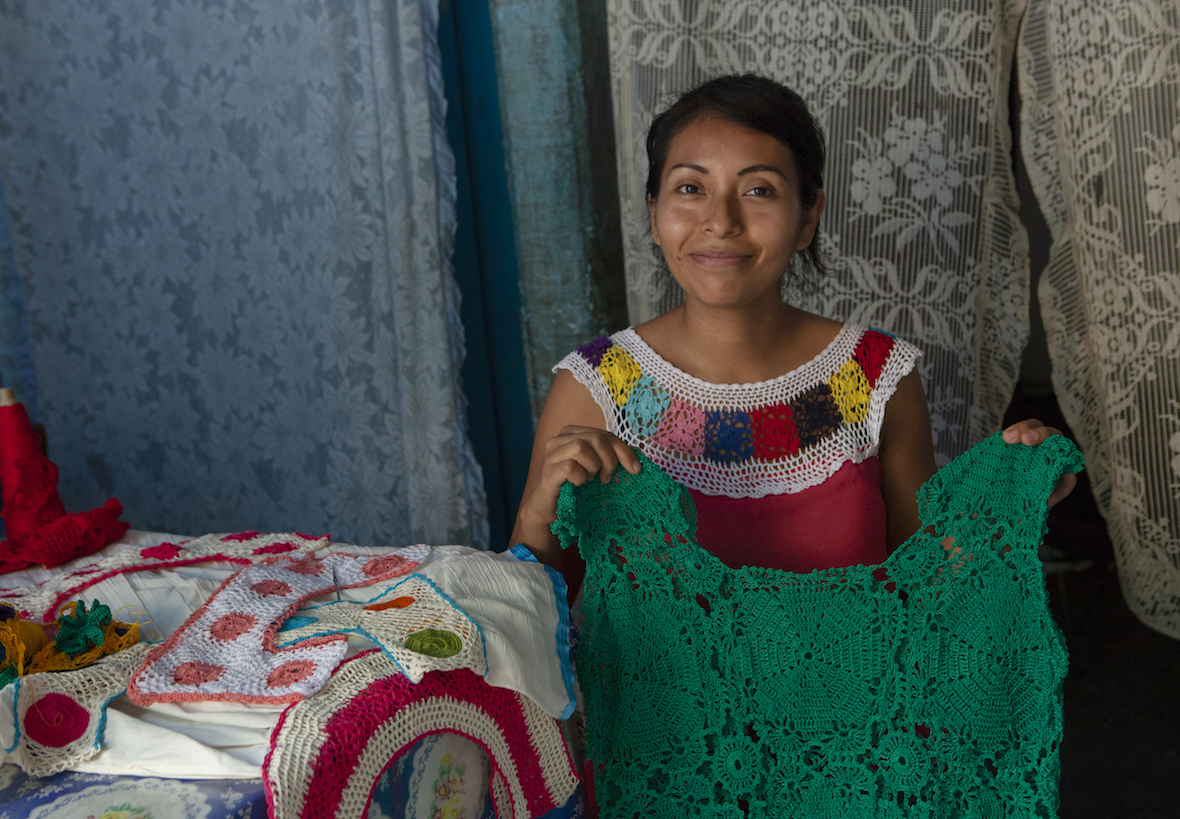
pixel 651 210
pixel 810 221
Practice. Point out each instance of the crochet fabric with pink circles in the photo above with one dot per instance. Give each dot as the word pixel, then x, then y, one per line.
pixel 226 649
pixel 328 751
pixel 747 440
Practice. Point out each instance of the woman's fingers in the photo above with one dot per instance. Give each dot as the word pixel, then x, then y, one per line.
pixel 595 449
pixel 1030 432
pixel 1064 486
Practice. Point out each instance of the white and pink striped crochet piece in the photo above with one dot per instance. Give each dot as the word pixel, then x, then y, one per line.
pixel 328 751
pixel 42 601
pixel 226 649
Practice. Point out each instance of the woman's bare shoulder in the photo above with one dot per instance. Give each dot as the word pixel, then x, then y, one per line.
pixel 569 402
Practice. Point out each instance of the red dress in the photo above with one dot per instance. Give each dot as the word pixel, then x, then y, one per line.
pixel 783 472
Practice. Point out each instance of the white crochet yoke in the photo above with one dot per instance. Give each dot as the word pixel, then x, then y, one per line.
pixel 772 437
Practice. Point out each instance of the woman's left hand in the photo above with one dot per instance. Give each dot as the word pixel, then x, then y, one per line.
pixel 1031 433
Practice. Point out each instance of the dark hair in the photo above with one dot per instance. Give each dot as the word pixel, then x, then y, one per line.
pixel 753 102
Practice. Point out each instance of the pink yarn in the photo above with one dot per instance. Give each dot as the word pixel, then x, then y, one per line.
pixel 265 588
pixel 233 625
pixel 290 673
pixel 196 673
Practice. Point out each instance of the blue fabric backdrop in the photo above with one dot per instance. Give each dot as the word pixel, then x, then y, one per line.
pixel 232 223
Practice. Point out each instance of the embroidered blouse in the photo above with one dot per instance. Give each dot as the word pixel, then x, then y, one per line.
pixel 791 460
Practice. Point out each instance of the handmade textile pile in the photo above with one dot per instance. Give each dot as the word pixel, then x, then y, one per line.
pixel 927 686
pixel 468 642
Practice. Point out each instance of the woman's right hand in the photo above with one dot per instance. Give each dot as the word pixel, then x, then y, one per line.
pixel 571 444
pixel 575 454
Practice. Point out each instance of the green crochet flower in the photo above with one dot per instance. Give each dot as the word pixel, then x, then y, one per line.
pixel 83 630
pixel 7 675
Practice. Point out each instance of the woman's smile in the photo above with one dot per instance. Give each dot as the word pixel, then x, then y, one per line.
pixel 718 257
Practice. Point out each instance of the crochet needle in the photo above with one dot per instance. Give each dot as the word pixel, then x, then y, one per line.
pixel 336 583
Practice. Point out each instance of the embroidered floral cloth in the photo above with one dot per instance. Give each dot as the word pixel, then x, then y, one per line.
pixel 929 685
pixel 747 440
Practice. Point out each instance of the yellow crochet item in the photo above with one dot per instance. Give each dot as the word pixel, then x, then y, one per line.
pixel 20 640
pixel 619 372
pixel 116 637
pixel 852 392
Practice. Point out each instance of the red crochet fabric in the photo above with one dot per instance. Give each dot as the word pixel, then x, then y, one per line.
pixel 75 534
pixel 28 480
pixel 39 529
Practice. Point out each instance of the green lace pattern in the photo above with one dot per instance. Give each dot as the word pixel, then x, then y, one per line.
pixel 926 686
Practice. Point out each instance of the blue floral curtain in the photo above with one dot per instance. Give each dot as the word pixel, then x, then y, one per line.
pixel 232 223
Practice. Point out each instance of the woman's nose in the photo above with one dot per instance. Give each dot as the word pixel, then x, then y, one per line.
pixel 723 216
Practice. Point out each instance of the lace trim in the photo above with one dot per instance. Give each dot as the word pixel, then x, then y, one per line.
pixel 778 436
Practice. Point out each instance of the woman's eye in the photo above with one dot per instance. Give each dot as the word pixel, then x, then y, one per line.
pixel 688 187
pixel 761 190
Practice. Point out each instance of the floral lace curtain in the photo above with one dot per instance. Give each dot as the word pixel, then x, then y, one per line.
pixel 921 228
pixel 232 224
pixel 1099 123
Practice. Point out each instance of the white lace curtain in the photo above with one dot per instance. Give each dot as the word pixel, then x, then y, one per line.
pixel 922 227
pixel 1101 136
pixel 232 225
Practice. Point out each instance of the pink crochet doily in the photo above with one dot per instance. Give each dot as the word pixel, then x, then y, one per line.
pixel 226 649
pixel 328 751
pixel 43 600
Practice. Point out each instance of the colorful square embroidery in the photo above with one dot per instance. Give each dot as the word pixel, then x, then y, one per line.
pixel 727 436
pixel 816 415
pixel 774 432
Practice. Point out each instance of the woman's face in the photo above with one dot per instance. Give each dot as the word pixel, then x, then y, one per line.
pixel 729 216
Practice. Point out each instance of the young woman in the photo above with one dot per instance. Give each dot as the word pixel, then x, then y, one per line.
pixel 792 431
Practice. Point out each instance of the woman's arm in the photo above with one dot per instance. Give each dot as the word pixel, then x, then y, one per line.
pixel 571 444
pixel 907 458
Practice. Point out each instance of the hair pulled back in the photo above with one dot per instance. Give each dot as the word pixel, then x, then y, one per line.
pixel 753 102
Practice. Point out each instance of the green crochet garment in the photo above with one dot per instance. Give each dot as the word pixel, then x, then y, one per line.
pixel 927 686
